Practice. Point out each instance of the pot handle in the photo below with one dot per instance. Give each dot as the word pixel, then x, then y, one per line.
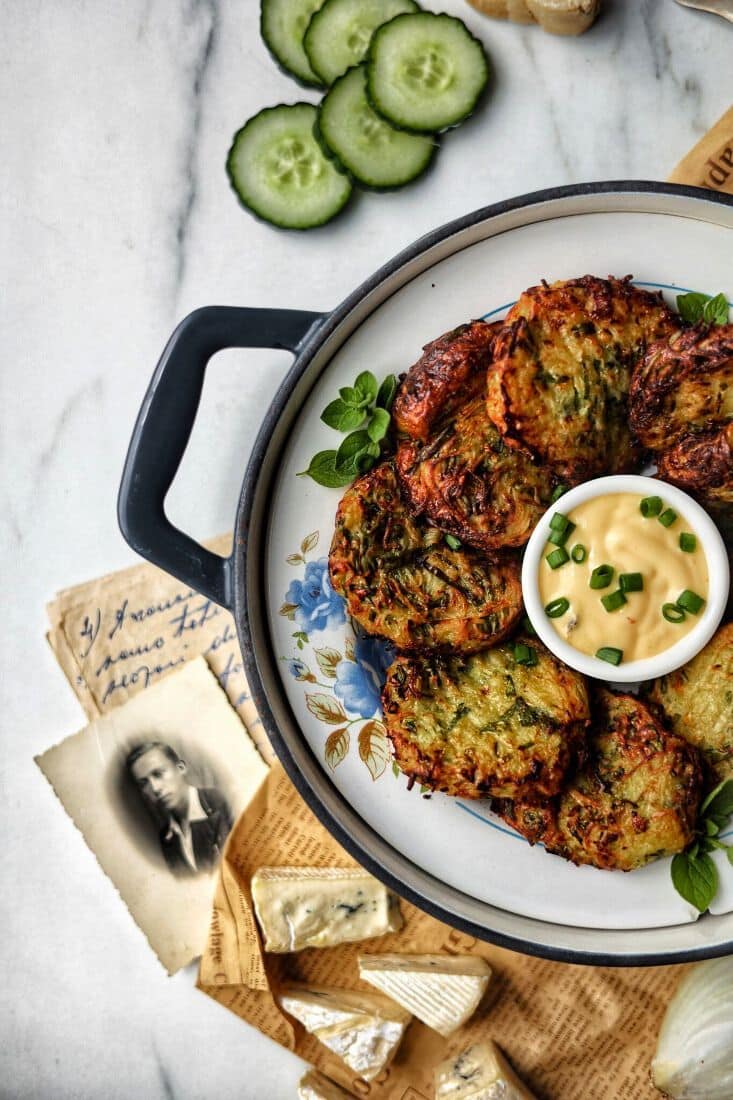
pixel 164 426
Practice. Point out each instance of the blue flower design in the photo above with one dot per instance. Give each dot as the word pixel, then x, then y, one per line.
pixel 299 669
pixel 359 683
pixel 316 604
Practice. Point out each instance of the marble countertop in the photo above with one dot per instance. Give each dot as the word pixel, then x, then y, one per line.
pixel 117 220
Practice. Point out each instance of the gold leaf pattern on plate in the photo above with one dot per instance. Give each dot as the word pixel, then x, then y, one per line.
pixel 325 709
pixel 337 745
pixel 374 748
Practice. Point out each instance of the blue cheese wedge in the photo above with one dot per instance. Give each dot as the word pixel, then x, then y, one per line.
pixel 363 1029
pixel 301 907
pixel 441 990
pixel 314 1086
pixel 479 1073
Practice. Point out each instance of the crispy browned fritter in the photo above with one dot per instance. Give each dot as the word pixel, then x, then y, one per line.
pixel 468 482
pixel 402 581
pixel 697 703
pixel 634 800
pixel 558 386
pixel 450 370
pixel 702 464
pixel 485 725
pixel 683 385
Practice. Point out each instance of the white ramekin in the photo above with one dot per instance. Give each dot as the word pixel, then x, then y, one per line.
pixel 677 654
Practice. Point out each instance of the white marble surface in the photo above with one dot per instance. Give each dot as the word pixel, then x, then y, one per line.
pixel 116 220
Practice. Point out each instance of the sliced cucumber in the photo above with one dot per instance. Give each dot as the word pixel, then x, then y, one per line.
pixel 280 172
pixel 339 33
pixel 370 150
pixel 425 72
pixel 282 26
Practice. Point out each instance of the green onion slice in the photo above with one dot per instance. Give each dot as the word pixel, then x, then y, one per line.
pixel 690 601
pixel 559 522
pixel 651 506
pixel 610 654
pixel 557 492
pixel 631 582
pixel 453 542
pixel 558 607
pixel 673 613
pixel 668 517
pixel 525 654
pixel 578 553
pixel 688 542
pixel 601 576
pixel 613 600
pixel 559 538
pixel 557 557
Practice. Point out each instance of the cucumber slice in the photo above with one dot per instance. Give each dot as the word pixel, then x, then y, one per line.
pixel 425 72
pixel 339 33
pixel 282 26
pixel 370 150
pixel 279 171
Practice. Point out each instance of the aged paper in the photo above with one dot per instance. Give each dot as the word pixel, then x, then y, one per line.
pixel 118 635
pixel 573 1033
pixel 710 163
pixel 154 787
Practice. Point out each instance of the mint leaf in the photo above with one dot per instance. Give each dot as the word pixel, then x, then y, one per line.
pixel 695 879
pixel 356 453
pixel 378 426
pixel 719 803
pixel 716 310
pixel 711 827
pixel 453 542
pixel 691 306
pixel 341 416
pixel 366 386
pixel 354 398
pixel 323 470
pixel 387 392
pixel 730 854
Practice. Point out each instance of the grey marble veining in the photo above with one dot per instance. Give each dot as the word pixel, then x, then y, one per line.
pixel 116 219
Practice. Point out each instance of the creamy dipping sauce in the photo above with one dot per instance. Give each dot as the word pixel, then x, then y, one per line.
pixel 614 532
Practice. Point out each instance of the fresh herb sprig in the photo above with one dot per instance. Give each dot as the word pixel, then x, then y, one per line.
pixel 694 873
pixel 362 410
pixel 696 307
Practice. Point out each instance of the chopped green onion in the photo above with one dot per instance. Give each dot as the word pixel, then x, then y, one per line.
pixel 651 506
pixel 453 542
pixel 559 522
pixel 579 553
pixel 688 542
pixel 610 654
pixel 557 558
pixel 690 601
pixel 601 576
pixel 668 517
pixel 613 600
pixel 673 613
pixel 559 538
pixel 528 628
pixel 631 582
pixel 557 492
pixel 525 655
pixel 557 607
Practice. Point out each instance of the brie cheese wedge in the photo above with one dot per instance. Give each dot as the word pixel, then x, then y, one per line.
pixel 321 906
pixel 441 990
pixel 479 1073
pixel 363 1029
pixel 314 1086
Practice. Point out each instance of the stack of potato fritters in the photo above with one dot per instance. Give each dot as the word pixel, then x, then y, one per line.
pixel 490 421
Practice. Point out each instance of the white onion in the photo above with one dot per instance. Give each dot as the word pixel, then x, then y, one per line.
pixel 694 1058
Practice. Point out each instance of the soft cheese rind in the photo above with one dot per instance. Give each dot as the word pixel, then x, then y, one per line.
pixel 301 907
pixel 314 1086
pixel 363 1029
pixel 441 990
pixel 479 1073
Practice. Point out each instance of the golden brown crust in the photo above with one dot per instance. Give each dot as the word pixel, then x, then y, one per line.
pixel 558 386
pixel 635 800
pixel 402 581
pixel 468 482
pixel 702 464
pixel 449 371
pixel 485 725
pixel 683 384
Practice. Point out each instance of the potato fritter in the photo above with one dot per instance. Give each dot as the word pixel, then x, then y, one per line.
pixel 702 464
pixel 683 384
pixel 450 370
pixel 485 725
pixel 634 800
pixel 559 383
pixel 468 482
pixel 697 703
pixel 401 580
